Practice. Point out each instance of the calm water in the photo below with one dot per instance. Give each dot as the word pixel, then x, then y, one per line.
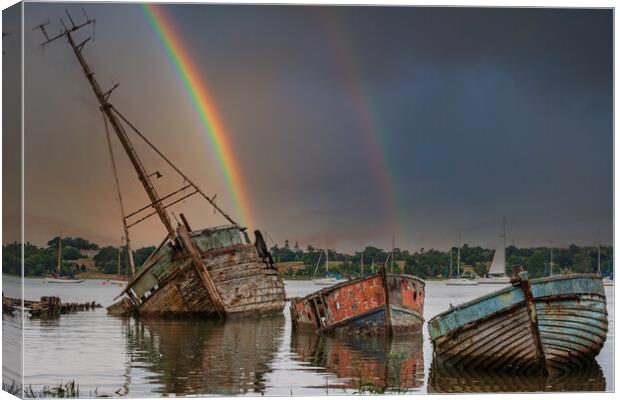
pixel 123 356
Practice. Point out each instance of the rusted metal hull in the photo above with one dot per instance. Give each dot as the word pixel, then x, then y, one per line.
pixel 172 286
pixel 375 365
pixel 546 325
pixel 377 305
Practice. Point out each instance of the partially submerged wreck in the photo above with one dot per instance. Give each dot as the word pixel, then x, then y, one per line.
pixel 380 304
pixel 546 325
pixel 209 272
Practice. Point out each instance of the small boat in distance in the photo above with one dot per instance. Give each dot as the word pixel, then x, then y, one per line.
pixel 58 277
pixel 547 325
pixel 606 279
pixel 376 305
pixel 328 280
pixel 497 272
pixel 458 281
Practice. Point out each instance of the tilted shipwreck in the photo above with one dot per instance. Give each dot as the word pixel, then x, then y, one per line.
pixel 541 326
pixel 212 272
pixel 377 305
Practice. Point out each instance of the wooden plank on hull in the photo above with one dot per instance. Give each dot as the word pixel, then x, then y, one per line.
pixel 218 306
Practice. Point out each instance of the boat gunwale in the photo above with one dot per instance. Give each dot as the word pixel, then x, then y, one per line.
pixel 146 266
pixel 330 289
pixel 509 288
pixel 507 308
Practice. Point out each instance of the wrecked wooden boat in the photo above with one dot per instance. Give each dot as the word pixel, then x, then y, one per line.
pixel 242 277
pixel 208 272
pixel 364 364
pixel 381 304
pixel 545 325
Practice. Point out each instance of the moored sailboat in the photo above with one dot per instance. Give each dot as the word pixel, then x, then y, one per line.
pixel 328 280
pixel 459 281
pixel 58 277
pixel 497 272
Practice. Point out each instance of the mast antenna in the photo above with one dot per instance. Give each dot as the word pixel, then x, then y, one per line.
pixel 116 119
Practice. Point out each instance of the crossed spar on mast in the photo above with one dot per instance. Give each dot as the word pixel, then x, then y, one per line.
pixel 115 119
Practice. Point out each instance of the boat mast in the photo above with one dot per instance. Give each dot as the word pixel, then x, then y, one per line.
pixel 107 110
pixel 599 252
pixel 551 262
pixel 504 239
pixel 316 268
pixel 362 264
pixel 326 263
pixel 59 251
pixel 120 199
pixel 458 259
pixel 118 263
pixel 392 260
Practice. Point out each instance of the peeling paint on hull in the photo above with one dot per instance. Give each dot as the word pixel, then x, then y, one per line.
pixel 359 307
pixel 170 286
pixel 495 332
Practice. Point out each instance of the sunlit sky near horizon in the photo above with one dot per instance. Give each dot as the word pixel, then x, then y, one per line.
pixel 347 124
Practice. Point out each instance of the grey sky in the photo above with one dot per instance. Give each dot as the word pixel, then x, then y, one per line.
pixel 472 113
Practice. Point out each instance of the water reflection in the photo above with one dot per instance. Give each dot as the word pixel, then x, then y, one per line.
pixel 365 365
pixel 204 357
pixel 444 379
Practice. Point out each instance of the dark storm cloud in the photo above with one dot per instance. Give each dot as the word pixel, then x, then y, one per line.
pixel 479 113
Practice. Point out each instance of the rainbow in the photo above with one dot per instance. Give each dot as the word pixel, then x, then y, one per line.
pixel 371 133
pixel 202 100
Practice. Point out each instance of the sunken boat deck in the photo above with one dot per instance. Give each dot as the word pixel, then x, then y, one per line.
pixel 170 285
pixel 360 307
pixel 563 328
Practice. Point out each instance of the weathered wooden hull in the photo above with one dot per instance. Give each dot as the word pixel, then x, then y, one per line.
pixel 560 326
pixel 172 286
pixel 364 306
pixel 443 379
pixel 374 365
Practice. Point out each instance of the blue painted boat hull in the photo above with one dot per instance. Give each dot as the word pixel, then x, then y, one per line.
pixel 565 327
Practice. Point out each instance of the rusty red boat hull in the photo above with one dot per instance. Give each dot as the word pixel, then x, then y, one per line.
pixel 381 304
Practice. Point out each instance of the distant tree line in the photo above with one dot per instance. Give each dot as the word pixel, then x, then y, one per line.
pixel 431 263
pixel 40 261
pixel 424 263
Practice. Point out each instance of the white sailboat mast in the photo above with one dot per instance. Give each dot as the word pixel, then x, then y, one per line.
pixel 458 259
pixel 59 251
pixel 450 268
pixel 326 263
pixel 599 253
pixel 362 265
pixel 551 262
pixel 316 268
pixel 498 265
pixel 392 260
